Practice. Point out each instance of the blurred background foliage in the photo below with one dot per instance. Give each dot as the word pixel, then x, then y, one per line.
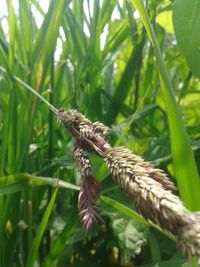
pixel 94 56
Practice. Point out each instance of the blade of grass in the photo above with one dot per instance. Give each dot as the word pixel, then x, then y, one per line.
pixel 46 39
pixel 184 163
pixel 12 24
pixel 26 28
pixel 59 243
pixel 122 208
pixel 134 215
pixel 22 181
pixel 127 77
pixel 106 11
pixel 138 113
pixel 36 243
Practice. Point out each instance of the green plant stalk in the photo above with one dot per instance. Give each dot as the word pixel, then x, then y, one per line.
pixel 184 163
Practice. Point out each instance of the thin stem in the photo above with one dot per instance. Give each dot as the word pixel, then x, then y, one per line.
pixel 51 100
pixel 51 107
pixel 50 146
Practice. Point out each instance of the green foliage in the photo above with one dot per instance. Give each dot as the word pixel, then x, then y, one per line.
pixel 187 178
pixel 124 209
pixel 100 61
pixel 186 20
pixel 131 237
pixel 36 243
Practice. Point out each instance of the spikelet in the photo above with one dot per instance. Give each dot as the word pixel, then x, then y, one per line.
pixel 88 135
pixel 82 160
pixel 89 188
pixel 88 195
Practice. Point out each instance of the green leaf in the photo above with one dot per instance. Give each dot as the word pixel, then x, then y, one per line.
pixel 154 247
pixel 186 20
pixel 125 82
pixel 12 25
pixel 36 243
pixel 132 214
pixel 60 242
pixel 124 209
pixel 131 236
pixel 164 19
pixel 184 163
pixel 22 181
pixel 45 42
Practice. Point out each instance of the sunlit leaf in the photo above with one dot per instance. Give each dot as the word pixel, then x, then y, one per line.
pixel 186 20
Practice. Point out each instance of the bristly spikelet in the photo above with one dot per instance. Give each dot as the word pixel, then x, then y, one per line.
pixel 89 188
pixel 71 118
pixel 188 238
pixel 82 160
pixel 153 197
pixel 88 135
pixel 88 195
pixel 151 191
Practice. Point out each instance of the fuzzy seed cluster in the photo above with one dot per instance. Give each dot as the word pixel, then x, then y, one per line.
pixel 149 187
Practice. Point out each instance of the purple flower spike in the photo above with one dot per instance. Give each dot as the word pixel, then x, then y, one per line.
pixel 89 193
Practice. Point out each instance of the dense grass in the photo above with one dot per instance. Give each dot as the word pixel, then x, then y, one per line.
pixel 106 67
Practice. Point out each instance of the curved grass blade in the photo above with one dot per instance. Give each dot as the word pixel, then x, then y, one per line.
pixel 123 87
pixel 46 39
pixel 22 181
pixel 58 245
pixel 36 243
pixel 134 215
pixel 184 163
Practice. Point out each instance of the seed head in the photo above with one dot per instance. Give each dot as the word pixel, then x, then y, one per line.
pixel 148 186
pixel 89 193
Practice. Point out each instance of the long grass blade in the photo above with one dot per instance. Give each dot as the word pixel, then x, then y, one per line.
pixel 36 243
pixel 22 181
pixel 59 244
pixel 132 214
pixel 184 163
